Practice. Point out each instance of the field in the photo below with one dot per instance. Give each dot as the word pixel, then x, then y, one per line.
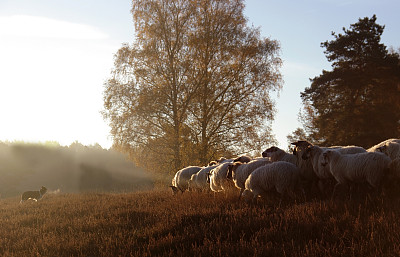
pixel 156 223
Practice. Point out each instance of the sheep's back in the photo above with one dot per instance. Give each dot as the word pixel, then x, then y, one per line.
pixel 183 176
pixel 201 178
pixel 218 180
pixel 368 166
pixel 277 175
pixel 244 170
pixel 375 147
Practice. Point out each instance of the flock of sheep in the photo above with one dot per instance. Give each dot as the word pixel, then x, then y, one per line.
pixel 308 168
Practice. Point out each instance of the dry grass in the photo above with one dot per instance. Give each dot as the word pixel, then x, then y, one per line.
pixel 158 224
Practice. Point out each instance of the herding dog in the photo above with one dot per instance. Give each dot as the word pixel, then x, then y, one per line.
pixel 33 195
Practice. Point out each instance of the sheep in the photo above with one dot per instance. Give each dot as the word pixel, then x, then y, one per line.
pixel 376 147
pixel 181 178
pixel 217 178
pixel 311 170
pixel 219 161
pixel 326 180
pixel 307 175
pixel 198 180
pixel 243 159
pixel 238 172
pixel 281 177
pixel 391 149
pixel 369 167
pixel 277 154
pixel 314 152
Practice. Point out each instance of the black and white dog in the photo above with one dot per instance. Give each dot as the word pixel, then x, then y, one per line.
pixel 33 195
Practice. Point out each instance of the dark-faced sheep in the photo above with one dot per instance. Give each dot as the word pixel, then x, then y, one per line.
pixel 276 154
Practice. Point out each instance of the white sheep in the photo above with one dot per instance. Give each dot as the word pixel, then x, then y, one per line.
pixel 218 180
pixel 281 177
pixel 376 147
pixel 239 172
pixel 198 181
pixel 369 167
pixel 349 149
pixel 243 159
pixel 315 154
pixel 391 149
pixel 310 171
pixel 307 175
pixel 277 154
pixel 181 178
pixel 220 161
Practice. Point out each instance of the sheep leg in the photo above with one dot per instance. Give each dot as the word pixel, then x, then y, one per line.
pixel 335 189
pixel 240 193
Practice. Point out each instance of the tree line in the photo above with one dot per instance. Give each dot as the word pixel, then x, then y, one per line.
pixel 358 101
pixel 196 84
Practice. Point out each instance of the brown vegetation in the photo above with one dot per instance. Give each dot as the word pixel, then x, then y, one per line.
pixel 155 223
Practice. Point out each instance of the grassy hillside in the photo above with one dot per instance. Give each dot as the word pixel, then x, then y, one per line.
pixel 156 223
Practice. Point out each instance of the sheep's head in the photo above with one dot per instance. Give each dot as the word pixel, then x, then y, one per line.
pixel 307 153
pixel 242 159
pixel 174 189
pixel 269 151
pixel 391 149
pixel 300 146
pixel 247 196
pixel 382 149
pixel 221 159
pixel 325 157
pixel 212 163
pixel 232 170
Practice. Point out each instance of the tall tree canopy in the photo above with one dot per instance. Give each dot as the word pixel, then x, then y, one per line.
pixel 194 85
pixel 358 102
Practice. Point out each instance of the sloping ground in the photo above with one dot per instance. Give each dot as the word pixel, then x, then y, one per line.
pixel 155 223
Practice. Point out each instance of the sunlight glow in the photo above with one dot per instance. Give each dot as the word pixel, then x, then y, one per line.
pixel 42 27
pixel 50 86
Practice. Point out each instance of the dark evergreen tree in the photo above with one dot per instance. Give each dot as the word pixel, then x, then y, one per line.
pixel 358 102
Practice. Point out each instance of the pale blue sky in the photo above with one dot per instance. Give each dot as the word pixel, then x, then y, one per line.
pixel 55 56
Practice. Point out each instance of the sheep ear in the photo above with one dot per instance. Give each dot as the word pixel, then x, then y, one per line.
pixel 174 189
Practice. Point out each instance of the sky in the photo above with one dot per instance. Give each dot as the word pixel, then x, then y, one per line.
pixel 56 55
